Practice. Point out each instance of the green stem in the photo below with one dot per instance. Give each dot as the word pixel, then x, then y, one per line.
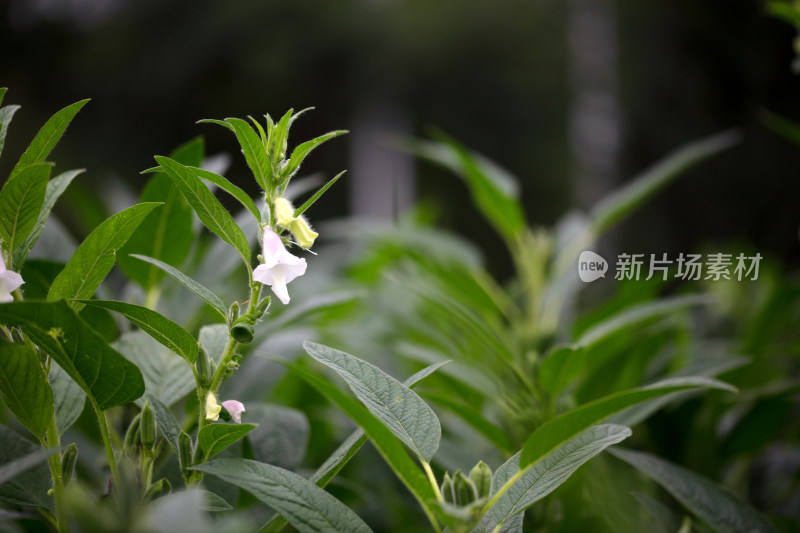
pixel 429 472
pixel 151 300
pixel 112 462
pixel 58 482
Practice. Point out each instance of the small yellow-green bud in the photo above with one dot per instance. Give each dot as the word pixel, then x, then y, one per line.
pixel 284 212
pixel 481 476
pixel 303 233
pixel 68 460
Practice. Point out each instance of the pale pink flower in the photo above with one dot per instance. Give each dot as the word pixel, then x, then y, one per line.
pixel 9 281
pixel 279 266
pixel 235 408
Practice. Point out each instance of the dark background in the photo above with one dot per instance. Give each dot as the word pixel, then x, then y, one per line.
pixel 496 75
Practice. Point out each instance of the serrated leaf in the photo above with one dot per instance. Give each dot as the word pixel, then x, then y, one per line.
pixel 549 472
pixel 621 202
pixel 95 257
pixel 189 283
pixel 47 137
pixel 301 151
pixel 162 329
pixel 55 188
pixel 6 114
pixel 166 377
pixel 223 183
pixel 557 431
pixel 30 486
pixel 390 448
pixel 24 387
pixel 106 376
pixel 166 234
pixel 395 405
pixel 721 509
pixel 307 507
pixel 211 213
pixel 214 438
pixel 68 397
pixel 254 152
pixel 21 199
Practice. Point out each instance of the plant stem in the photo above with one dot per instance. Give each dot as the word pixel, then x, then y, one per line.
pixel 58 482
pixel 101 418
pixel 426 465
pixel 151 300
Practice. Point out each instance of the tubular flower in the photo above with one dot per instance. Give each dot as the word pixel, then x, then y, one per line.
pixel 284 213
pixel 9 281
pixel 212 407
pixel 235 409
pixel 279 267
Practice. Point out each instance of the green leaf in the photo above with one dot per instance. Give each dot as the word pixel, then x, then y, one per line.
pixel 166 422
pixel 784 127
pixel 213 503
pixel 55 188
pixel 390 448
pixel 10 470
pixel 48 136
pixel 556 432
pixel 307 507
pixel 106 376
pixel 621 202
pixel 189 283
pixel 473 417
pixel 6 114
pixel 279 141
pixel 308 203
pixel 395 405
pixel 254 152
pixel 216 437
pixel 561 366
pixel 211 213
pixel 548 473
pixel 223 183
pixel 785 11
pixel 281 437
pixel 721 509
pixel 301 151
pixel 166 234
pixel 166 377
pixel 24 387
pixel 29 486
pixel 3 91
pixel 636 315
pixel 68 397
pixel 156 325
pixel 21 199
pixel 94 258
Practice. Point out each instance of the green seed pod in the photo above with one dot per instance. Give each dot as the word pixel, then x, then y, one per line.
pixel 131 445
pixel 148 426
pixel 185 450
pixel 447 489
pixel 481 476
pixel 464 489
pixel 203 366
pixel 243 329
pixel 68 460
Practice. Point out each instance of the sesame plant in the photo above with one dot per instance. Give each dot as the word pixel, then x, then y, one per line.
pixel 159 376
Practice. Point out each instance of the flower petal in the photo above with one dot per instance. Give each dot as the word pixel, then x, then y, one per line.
pixel 212 407
pixel 235 408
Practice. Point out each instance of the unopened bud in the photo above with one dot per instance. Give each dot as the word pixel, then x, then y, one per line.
pixel 481 476
pixel 185 451
pixel 447 489
pixel 464 489
pixel 203 366
pixel 68 460
pixel 131 444
pixel 148 426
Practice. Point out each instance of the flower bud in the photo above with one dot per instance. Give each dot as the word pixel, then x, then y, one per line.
pixel 203 366
pixel 464 489
pixel 481 476
pixel 148 426
pixel 185 451
pixel 233 312
pixel 447 489
pixel 162 486
pixel 284 212
pixel 68 460
pixel 303 233
pixel 131 444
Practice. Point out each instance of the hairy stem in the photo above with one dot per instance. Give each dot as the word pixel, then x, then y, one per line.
pixel 112 462
pixel 58 482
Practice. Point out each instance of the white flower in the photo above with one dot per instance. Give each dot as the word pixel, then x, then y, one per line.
pixel 9 281
pixel 235 408
pixel 279 267
pixel 212 407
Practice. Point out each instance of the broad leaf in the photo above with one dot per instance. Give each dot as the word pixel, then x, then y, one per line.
pixel 6 114
pixel 166 234
pixel 301 151
pixel 621 202
pixel 106 376
pixel 189 283
pixel 223 183
pixel 721 509
pixel 166 377
pixel 255 152
pixel 548 473
pixel 211 213
pixel 556 432
pixel 561 366
pixel 307 507
pixel 30 486
pixel 55 188
pixel 68 397
pixel 21 199
pixel 214 339
pixel 26 462
pixel 395 405
pixel 94 258
pixel 47 137
pixel 281 437
pixel 214 438
pixel 156 325
pixel 24 387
